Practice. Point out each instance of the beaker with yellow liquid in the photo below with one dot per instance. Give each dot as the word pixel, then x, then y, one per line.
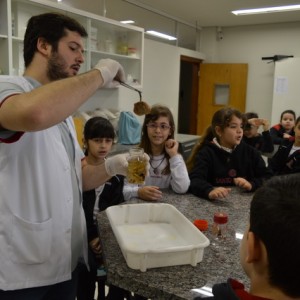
pixel 137 166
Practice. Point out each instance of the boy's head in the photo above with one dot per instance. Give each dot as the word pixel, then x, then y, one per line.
pixel 271 246
pixel 287 119
pixel 250 130
pixel 51 27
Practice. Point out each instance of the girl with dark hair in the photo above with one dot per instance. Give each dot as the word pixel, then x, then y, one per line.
pixel 221 160
pixel 285 129
pixel 286 160
pixel 167 167
pixel 98 139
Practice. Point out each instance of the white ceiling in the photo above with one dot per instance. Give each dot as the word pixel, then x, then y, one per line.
pixel 204 13
pixel 181 17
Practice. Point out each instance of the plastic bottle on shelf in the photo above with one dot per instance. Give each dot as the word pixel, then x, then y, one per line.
pixel 132 52
pixel 122 45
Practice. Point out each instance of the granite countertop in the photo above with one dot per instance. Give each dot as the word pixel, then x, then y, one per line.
pixel 220 261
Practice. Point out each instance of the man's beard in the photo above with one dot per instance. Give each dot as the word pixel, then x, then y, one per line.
pixel 56 67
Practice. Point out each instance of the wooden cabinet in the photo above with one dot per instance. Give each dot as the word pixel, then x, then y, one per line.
pixel 106 38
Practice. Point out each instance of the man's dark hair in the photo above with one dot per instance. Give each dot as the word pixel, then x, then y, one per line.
pixel 275 220
pixel 51 27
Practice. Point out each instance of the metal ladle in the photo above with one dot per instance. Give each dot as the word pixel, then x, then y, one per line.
pixel 140 108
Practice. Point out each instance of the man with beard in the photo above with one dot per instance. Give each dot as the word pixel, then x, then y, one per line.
pixel 42 226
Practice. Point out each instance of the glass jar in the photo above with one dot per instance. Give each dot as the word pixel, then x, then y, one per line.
pixel 219 228
pixel 137 166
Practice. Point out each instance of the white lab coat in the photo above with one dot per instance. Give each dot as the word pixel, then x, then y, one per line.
pixel 36 205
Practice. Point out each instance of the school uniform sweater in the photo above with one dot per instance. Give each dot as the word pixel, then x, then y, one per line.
pixel 262 142
pixel 216 167
pixel 282 162
pixel 231 290
pixel 277 132
pixel 112 194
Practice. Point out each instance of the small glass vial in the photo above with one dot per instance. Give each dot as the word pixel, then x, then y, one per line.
pixel 219 228
pixel 137 166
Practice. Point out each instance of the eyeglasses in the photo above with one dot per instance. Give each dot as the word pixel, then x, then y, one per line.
pixel 160 126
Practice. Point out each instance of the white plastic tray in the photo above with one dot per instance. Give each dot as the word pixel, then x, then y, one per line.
pixel 154 235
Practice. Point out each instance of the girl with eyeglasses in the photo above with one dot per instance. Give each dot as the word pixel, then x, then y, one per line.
pixel 167 167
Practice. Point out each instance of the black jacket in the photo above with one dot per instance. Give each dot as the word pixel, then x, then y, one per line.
pixel 217 167
pixel 112 194
pixel 282 163
pixel 262 142
pixel 277 132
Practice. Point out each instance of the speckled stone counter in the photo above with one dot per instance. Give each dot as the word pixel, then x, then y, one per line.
pixel 220 261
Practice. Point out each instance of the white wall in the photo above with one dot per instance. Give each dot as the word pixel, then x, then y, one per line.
pixel 161 73
pixel 286 88
pixel 248 44
pixel 160 81
pixel 244 44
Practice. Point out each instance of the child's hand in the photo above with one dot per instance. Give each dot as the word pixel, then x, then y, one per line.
pixel 149 193
pixel 258 122
pixel 219 193
pixel 171 147
pixel 255 121
pixel 95 245
pixel 286 136
pixel 265 124
pixel 242 183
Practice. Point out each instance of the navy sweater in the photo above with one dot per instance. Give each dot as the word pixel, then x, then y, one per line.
pixel 112 194
pixel 262 142
pixel 282 162
pixel 216 167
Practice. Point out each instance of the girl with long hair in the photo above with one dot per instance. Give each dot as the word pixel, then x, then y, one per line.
pixel 221 159
pixel 167 167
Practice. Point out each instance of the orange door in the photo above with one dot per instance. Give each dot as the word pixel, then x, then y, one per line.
pixel 220 85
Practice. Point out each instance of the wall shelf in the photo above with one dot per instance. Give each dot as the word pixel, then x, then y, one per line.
pixel 106 38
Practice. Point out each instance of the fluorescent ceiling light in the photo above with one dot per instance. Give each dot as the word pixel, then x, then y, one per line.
pixel 266 10
pixel 127 22
pixel 161 35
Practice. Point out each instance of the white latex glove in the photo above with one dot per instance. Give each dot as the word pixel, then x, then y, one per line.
pixel 118 164
pixel 111 71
